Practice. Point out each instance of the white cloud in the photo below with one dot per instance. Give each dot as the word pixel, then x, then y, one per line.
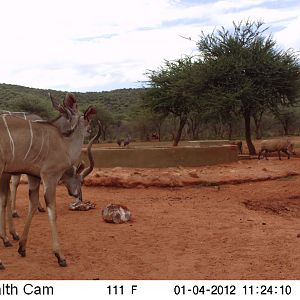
pixel 289 37
pixel 87 45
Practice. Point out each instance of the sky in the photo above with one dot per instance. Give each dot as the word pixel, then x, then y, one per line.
pixel 101 45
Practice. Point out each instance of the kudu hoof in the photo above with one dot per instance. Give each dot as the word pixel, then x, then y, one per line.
pixel 22 251
pixel 15 236
pixel 7 244
pixel 15 215
pixel 61 261
pixel 41 209
pixel 2 266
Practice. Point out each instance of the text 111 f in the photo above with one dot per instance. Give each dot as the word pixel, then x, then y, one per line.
pixel 119 289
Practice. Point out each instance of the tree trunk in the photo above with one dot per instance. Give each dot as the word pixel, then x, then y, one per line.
pixel 159 134
pixel 193 126
pixel 286 128
pixel 104 130
pixel 257 132
pixel 250 145
pixel 257 123
pixel 179 131
pixel 229 130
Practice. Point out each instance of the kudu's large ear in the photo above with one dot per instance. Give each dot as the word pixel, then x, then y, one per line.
pixel 90 113
pixel 70 102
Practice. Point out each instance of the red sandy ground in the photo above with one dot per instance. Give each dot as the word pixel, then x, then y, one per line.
pixel 249 230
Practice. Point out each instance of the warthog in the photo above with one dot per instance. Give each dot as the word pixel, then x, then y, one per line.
pixel 280 145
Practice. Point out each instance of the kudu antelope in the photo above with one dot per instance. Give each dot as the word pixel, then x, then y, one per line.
pixel 44 152
pixel 72 178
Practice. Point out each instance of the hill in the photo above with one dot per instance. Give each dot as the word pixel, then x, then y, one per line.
pixel 118 102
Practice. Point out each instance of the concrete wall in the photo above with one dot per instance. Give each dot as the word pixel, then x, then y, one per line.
pixel 162 157
pixel 205 143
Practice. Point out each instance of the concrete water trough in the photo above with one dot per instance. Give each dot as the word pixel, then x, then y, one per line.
pixel 205 143
pixel 162 157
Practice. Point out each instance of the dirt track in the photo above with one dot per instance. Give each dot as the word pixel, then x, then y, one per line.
pixel 244 231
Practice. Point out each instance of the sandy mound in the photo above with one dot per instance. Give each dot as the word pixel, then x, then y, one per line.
pixel 235 173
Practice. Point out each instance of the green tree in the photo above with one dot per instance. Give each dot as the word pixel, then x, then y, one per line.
pixel 286 117
pixel 145 122
pixel 194 124
pixel 171 92
pixel 32 104
pixel 106 120
pixel 247 69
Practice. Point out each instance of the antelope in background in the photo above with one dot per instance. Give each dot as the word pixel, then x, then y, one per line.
pixel 43 152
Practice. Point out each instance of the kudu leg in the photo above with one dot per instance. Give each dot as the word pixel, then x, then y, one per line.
pixel 9 216
pixel 4 188
pixel 34 186
pixel 15 181
pixel 40 206
pixel 50 194
pixel 1 266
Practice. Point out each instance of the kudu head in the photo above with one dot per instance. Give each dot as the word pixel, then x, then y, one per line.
pixel 70 117
pixel 74 176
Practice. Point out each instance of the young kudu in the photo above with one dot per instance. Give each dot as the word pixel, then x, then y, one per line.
pixel 43 152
